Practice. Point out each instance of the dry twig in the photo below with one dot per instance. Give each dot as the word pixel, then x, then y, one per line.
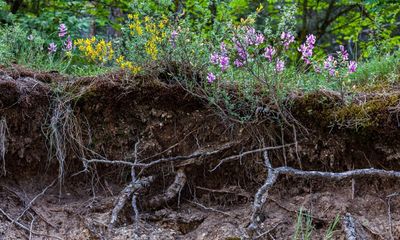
pixel 210 208
pixel 27 228
pixel 29 205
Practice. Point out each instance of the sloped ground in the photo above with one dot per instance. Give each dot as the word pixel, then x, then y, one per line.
pixel 54 121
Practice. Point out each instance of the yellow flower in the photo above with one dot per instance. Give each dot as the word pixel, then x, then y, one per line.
pixel 259 8
pixel 110 54
pixel 139 30
pixel 147 19
pixel 151 49
pixel 135 69
pixel 130 16
pixel 120 59
pixel 98 52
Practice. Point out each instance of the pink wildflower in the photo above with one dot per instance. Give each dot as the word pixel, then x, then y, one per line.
pixel 269 53
pixel 52 48
pixel 306 48
pixel 214 58
pixel 352 66
pixel 280 65
pixel 211 77
pixel 238 63
pixel 68 44
pixel 330 65
pixel 287 38
pixel 343 53
pixel 223 62
pixel 62 30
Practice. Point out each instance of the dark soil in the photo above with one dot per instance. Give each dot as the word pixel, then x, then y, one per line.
pixel 105 116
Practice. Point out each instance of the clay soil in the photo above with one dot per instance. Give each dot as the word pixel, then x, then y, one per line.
pixel 111 118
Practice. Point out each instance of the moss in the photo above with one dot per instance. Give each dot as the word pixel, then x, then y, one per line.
pixel 325 110
pixel 315 108
pixel 380 86
pixel 371 113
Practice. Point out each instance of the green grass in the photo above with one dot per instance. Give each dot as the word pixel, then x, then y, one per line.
pixel 384 68
pixel 304 227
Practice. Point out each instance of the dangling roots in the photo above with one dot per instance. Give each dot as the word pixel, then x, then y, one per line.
pixel 64 134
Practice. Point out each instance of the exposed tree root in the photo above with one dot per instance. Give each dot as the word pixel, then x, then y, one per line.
pixel 389 197
pixel 349 227
pixel 273 174
pixel 227 159
pixel 172 191
pixel 3 145
pixel 133 187
pixel 197 154
pixel 262 195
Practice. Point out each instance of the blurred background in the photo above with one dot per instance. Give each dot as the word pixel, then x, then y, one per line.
pixel 363 26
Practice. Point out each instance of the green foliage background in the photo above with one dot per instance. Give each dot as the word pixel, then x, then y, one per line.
pixel 351 22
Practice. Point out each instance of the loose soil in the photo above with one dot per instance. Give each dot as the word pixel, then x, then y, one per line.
pixel 107 116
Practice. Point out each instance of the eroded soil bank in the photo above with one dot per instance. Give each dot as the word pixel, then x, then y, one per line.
pixel 52 126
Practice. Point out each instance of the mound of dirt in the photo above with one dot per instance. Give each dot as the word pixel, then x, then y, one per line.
pixel 83 156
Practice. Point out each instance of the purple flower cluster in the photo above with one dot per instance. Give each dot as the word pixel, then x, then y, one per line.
pixel 252 37
pixel 238 63
pixel 248 46
pixel 287 38
pixel 280 66
pixel 352 66
pixel 343 53
pixel 68 44
pixel 224 63
pixel 214 58
pixel 222 58
pixel 269 53
pixel 211 77
pixel 62 30
pixel 306 49
pixel 241 50
pixel 330 65
pixel 52 48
